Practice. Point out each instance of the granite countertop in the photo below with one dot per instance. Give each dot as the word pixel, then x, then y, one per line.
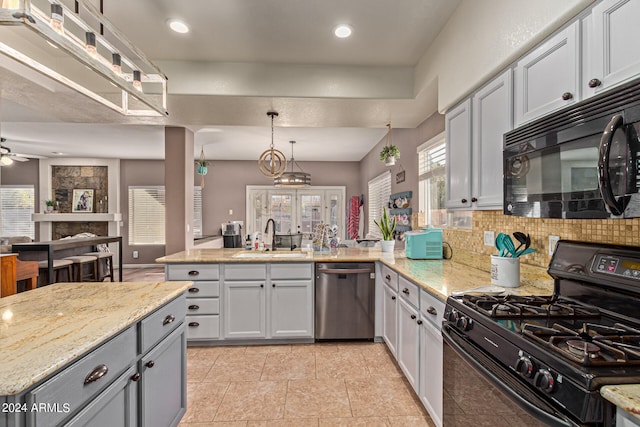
pixel 47 328
pixel 626 396
pixel 438 277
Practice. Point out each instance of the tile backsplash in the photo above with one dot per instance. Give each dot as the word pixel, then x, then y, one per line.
pixel 616 231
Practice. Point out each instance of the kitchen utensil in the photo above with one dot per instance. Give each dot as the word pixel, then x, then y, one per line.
pixel 500 244
pixel 525 252
pixel 521 238
pixel 509 246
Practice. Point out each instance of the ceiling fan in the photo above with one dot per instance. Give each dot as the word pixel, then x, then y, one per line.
pixel 7 157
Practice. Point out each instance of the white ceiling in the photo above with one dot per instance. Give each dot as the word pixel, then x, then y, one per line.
pixel 40 117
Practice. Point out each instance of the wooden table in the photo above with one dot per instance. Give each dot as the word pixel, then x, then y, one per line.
pixel 65 245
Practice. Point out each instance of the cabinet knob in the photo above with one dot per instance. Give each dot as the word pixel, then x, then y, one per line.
pixel 464 200
pixel 169 319
pixel 393 298
pixel 567 96
pixel 194 290
pixel 388 277
pixel 194 324
pixel 419 322
pixel 135 377
pixel 97 373
pixel 594 83
pixel 413 317
pixel 194 307
pixel 194 273
pixel 405 291
pixel 150 364
pixel 432 310
pixel 262 285
pixel 273 285
pixel 474 199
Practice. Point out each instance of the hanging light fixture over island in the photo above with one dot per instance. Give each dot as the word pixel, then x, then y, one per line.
pixel 293 179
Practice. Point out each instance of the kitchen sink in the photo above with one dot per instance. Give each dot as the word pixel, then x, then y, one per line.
pixel 270 255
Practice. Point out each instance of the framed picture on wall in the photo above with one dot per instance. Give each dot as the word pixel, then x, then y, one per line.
pixel 82 200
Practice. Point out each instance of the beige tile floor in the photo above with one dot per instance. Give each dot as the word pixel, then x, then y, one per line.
pixel 352 384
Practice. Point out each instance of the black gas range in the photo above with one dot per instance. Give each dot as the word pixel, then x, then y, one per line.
pixel 553 353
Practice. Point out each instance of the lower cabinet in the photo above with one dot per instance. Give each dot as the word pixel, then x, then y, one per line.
pixel 431 370
pixel 390 319
pixel 163 381
pixel 408 352
pixel 291 308
pixel 244 310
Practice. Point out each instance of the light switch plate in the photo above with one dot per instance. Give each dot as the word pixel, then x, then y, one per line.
pixel 552 244
pixel 489 238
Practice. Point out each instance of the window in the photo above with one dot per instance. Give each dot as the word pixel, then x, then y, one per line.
pixel 17 203
pixel 379 192
pixel 295 210
pixel 146 215
pixel 431 179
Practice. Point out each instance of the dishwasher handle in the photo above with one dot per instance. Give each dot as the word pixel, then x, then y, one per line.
pixel 344 270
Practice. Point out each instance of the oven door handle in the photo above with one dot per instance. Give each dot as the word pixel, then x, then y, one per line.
pixel 536 412
pixel 616 207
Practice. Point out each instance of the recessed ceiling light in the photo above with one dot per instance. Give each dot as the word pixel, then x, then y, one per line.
pixel 178 26
pixel 343 31
pixel 57 153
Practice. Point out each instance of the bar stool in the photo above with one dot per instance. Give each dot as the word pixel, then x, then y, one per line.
pixel 79 262
pixel 105 263
pixel 59 265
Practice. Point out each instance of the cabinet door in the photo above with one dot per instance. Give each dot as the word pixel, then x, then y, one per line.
pixel 548 77
pixel 458 133
pixel 164 378
pixel 244 309
pixel 291 305
pixel 390 322
pixel 431 370
pixel 615 56
pixel 116 406
pixel 492 117
pixel 409 343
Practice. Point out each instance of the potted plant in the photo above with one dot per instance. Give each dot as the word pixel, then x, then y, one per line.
pixel 389 154
pixel 201 167
pixel 387 225
pixel 49 205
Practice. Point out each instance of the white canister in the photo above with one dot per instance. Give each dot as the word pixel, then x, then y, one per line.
pixel 505 271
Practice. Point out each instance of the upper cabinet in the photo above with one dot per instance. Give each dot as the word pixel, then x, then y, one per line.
pixel 474 132
pixel 613 53
pixel 548 77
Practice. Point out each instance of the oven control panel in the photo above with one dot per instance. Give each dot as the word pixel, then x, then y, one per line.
pixel 625 267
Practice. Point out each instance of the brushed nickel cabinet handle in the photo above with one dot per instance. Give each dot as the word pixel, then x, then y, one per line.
pixel 169 319
pixel 97 373
pixel 432 310
pixel 594 83
pixel 194 307
pixel 194 273
pixel 567 96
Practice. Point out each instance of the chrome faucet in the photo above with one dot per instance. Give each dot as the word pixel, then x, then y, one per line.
pixel 273 235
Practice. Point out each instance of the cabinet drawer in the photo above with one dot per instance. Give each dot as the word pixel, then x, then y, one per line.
pixel 193 272
pixel 390 277
pixel 160 323
pixel 74 386
pixel 432 308
pixel 292 271
pixel 204 290
pixel 245 271
pixel 203 327
pixel 203 306
pixel 409 291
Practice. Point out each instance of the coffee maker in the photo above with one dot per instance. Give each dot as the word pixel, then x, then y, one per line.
pixel 232 234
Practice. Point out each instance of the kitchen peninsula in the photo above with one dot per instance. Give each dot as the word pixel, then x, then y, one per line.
pixel 75 352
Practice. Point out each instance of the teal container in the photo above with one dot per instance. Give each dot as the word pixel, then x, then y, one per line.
pixel 423 244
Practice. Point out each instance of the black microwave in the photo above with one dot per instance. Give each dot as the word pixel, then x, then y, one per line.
pixel 580 162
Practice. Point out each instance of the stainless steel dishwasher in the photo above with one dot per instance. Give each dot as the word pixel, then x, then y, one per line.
pixel 345 301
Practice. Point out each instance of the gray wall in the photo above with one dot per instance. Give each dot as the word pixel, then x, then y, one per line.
pixel 407 141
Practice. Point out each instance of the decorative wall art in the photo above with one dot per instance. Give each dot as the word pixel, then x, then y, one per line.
pixel 82 200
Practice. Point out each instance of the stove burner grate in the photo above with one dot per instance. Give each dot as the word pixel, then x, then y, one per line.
pixel 514 306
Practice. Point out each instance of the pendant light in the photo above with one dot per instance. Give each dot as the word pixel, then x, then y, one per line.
pixel 293 179
pixel 272 163
pixel 57 18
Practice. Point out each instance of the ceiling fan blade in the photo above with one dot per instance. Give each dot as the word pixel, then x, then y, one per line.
pixel 20 159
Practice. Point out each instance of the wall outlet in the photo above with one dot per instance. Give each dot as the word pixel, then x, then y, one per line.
pixel 230 211
pixel 489 238
pixel 552 244
pixel 135 254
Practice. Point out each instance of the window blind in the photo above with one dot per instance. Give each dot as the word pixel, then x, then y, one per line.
pixel 146 215
pixel 197 212
pixel 431 161
pixel 379 192
pixel 17 203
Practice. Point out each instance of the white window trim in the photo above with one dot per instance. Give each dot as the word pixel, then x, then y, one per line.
pixel 438 139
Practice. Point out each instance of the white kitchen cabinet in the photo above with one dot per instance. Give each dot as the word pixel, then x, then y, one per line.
pixel 548 78
pixel 458 146
pixel 244 309
pixel 390 316
pixel 492 117
pixel 409 342
pixel 431 369
pixel 291 308
pixel 614 54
